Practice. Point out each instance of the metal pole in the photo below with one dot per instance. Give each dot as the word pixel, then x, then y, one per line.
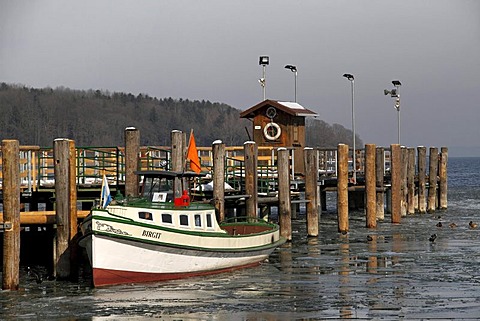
pixel 397 106
pixel 264 83
pixel 296 73
pixel 353 128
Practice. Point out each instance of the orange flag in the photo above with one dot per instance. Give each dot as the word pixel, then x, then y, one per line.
pixel 192 154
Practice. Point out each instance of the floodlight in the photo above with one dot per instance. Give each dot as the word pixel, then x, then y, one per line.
pixel 291 67
pixel 264 60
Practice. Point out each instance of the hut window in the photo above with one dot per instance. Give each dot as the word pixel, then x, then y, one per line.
pixel 295 132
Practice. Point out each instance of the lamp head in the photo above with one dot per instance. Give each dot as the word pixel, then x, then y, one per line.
pixel 349 76
pixel 393 92
pixel 264 60
pixel 291 67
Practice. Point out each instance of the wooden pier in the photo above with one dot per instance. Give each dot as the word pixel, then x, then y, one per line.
pixel 65 181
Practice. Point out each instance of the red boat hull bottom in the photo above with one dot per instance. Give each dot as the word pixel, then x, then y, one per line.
pixel 103 277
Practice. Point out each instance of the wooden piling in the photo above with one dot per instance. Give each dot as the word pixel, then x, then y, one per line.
pixel 218 153
pixel 284 197
pixel 411 181
pixel 178 149
pixel 432 180
pixel 61 155
pixel 379 177
pixel 311 191
pixel 370 186
pixel 132 151
pixel 421 169
pixel 251 177
pixel 11 214
pixel 342 188
pixel 442 173
pixel 403 180
pixel 72 209
pixel 72 192
pixel 396 188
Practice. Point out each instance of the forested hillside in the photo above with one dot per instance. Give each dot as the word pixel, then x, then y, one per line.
pixel 98 118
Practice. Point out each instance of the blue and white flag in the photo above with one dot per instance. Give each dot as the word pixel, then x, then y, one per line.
pixel 105 198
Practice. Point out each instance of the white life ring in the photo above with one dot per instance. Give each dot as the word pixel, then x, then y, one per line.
pixel 272 131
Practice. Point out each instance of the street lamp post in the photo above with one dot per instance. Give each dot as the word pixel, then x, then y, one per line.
pixel 264 61
pixel 351 78
pixel 395 93
pixel 294 70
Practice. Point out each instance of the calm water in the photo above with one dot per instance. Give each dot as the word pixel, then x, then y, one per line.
pixel 398 275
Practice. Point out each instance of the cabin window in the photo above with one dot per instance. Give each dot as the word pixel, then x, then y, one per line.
pixel 209 220
pixel 145 215
pixel 198 220
pixel 184 220
pixel 167 218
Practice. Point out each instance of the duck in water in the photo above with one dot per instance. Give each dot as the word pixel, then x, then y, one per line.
pixel 472 225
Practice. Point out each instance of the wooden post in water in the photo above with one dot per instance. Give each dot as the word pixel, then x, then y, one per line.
pixel 11 214
pixel 432 180
pixel 370 186
pixel 411 181
pixel 218 151
pixel 132 150
pixel 379 178
pixel 311 191
pixel 342 188
pixel 443 186
pixel 178 158
pixel 61 155
pixel 284 198
pixel 422 167
pixel 72 209
pixel 72 185
pixel 396 188
pixel 403 180
pixel 251 178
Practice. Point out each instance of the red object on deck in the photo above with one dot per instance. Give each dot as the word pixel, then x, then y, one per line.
pixel 184 200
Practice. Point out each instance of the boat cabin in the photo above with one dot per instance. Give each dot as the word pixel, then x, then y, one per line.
pixel 166 186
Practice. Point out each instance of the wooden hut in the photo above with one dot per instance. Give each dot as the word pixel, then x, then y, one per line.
pixel 280 124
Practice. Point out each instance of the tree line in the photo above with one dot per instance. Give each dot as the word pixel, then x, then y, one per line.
pixel 36 116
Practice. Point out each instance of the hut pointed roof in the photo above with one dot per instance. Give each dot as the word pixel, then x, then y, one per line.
pixel 292 108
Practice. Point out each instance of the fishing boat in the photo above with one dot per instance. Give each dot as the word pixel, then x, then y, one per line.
pixel 163 235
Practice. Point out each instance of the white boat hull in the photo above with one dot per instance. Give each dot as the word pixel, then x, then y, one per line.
pixel 116 261
pixel 123 251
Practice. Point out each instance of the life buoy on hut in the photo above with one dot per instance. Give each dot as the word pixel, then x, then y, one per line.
pixel 280 124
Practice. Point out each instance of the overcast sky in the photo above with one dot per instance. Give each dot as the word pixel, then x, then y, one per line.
pixel 210 50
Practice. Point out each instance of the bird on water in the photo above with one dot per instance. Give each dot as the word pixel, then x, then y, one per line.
pixel 439 224
pixel 432 238
pixel 452 225
pixel 472 225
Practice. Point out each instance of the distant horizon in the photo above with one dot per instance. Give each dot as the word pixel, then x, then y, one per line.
pixel 464 151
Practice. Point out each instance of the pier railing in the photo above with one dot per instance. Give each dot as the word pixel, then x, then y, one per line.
pixel 37 165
